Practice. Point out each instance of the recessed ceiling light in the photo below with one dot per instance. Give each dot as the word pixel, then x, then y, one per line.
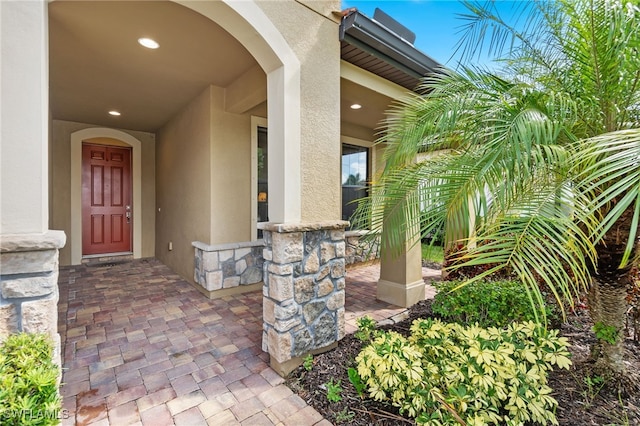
pixel 356 106
pixel 149 43
pixel 114 113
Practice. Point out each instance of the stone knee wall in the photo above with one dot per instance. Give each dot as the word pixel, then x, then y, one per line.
pixel 226 266
pixel 360 249
pixel 304 289
pixel 29 285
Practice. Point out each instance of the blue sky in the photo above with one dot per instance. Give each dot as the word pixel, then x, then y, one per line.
pixel 435 22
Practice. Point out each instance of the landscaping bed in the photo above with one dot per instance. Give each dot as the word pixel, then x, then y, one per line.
pixel 583 397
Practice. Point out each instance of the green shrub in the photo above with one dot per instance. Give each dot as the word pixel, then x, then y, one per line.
pixel 366 328
pixel 488 303
pixel 448 374
pixel 28 381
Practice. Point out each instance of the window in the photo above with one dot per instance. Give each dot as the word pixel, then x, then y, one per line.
pixel 263 177
pixel 355 175
pixel 259 175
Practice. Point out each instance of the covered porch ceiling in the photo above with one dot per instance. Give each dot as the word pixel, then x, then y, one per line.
pixel 96 64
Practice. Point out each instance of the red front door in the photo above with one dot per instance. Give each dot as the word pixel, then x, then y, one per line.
pixel 106 199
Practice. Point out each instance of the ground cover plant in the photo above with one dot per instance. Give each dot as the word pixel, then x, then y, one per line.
pixel 28 381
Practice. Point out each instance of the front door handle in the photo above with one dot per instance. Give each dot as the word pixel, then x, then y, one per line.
pixel 128 213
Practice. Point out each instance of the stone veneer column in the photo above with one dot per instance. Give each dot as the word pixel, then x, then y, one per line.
pixel 29 285
pixel 304 290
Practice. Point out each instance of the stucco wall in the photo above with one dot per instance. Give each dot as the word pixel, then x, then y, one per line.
pixel 61 191
pixel 312 32
pixel 203 180
pixel 230 173
pixel 183 184
pixel 358 132
pixel 378 156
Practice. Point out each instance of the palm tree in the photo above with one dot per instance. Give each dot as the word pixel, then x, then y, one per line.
pixel 540 176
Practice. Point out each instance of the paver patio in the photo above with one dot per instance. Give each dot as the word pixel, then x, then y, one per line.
pixel 142 346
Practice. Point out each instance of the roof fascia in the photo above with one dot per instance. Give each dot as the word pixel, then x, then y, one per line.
pixel 374 38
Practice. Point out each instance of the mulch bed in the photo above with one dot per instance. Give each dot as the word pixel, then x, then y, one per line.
pixel 581 400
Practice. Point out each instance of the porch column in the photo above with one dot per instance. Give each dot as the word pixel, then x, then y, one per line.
pixel 304 291
pixel 401 281
pixel 28 250
pixel 283 92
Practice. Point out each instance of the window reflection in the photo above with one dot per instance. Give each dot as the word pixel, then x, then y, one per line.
pixel 355 175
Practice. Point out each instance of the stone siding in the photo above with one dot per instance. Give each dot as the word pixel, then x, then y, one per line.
pixel 359 249
pixel 29 285
pixel 226 266
pixel 304 288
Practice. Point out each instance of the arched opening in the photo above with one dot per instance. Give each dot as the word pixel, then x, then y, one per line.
pixel 247 24
pixel 243 20
pixel 77 138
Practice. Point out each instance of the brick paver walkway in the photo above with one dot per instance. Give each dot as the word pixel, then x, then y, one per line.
pixel 142 346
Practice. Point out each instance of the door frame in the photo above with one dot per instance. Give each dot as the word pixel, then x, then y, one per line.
pixel 77 138
pixel 108 199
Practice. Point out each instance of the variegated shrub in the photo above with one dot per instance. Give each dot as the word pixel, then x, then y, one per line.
pixel 446 374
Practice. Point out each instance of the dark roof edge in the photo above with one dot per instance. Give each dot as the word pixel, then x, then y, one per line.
pixel 379 41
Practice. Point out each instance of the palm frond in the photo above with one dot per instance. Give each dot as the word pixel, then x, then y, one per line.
pixel 609 174
pixel 484 29
pixel 526 184
pixel 539 243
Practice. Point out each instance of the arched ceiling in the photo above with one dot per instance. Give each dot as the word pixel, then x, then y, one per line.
pixel 96 64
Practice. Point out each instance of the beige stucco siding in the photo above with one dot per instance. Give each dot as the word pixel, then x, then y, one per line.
pixel 358 132
pixel 230 174
pixel 62 191
pixel 183 184
pixel 312 32
pixel 203 180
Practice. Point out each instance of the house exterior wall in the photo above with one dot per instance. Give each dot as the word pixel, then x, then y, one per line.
pixel 203 180
pixel 230 173
pixel 225 269
pixel 358 132
pixel 183 184
pixel 63 193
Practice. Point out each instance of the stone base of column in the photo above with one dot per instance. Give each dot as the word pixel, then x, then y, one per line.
pixel 29 285
pixel 400 294
pixel 304 290
pixel 286 367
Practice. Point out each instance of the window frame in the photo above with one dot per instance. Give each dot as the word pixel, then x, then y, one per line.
pixel 360 143
pixel 256 123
